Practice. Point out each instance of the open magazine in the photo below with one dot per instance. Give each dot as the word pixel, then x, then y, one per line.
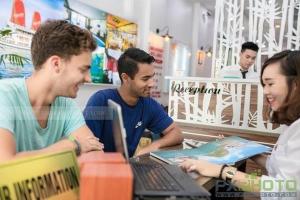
pixel 225 151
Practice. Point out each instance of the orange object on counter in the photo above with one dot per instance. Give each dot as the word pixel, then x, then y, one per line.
pixel 100 157
pixel 105 176
pixel 109 181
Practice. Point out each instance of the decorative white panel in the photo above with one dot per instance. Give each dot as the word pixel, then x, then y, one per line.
pixel 273 24
pixel 220 103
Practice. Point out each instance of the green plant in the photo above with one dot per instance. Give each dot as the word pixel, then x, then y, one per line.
pixel 14 59
pixel 5 32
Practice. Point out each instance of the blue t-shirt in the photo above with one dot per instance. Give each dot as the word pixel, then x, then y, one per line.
pixel 146 114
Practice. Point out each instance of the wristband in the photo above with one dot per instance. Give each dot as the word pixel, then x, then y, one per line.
pixel 78 146
pixel 221 171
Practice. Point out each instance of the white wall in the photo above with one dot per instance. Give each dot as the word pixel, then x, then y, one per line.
pixel 152 14
pixel 178 16
pixel 115 7
pixel 159 15
pixel 142 12
pixel 135 11
pixel 205 39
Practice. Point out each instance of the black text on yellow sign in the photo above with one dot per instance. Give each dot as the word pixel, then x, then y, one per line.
pixel 50 176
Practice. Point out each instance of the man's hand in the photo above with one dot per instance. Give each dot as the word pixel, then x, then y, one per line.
pixel 89 143
pixel 171 136
pixel 148 149
pixel 87 140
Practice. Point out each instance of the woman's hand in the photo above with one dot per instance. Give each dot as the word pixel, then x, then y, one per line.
pixel 203 167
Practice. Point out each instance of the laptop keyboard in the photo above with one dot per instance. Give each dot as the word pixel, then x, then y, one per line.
pixel 155 177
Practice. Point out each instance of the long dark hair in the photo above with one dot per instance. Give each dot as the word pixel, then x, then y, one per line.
pixel 289 67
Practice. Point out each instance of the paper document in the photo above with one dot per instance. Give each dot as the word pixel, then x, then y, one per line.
pixel 225 151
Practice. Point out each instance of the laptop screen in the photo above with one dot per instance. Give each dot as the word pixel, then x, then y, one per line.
pixel 119 132
pixel 173 177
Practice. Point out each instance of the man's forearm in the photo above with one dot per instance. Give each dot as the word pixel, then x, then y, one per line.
pixel 172 136
pixel 61 145
pixel 170 139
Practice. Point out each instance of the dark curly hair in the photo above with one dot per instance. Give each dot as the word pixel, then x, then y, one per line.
pixel 59 37
pixel 289 67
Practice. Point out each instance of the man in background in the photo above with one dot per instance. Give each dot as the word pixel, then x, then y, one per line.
pixel 245 68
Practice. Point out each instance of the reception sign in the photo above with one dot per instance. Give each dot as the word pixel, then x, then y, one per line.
pixel 54 176
pixel 222 103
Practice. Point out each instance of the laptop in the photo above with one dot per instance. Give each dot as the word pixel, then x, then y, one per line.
pixel 153 179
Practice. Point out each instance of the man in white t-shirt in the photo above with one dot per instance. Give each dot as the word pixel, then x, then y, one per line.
pixel 245 68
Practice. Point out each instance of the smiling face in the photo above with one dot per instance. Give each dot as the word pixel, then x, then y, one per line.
pixel 141 84
pixel 74 73
pixel 247 58
pixel 275 86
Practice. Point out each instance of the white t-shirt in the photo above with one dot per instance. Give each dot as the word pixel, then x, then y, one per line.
pixel 235 72
pixel 283 166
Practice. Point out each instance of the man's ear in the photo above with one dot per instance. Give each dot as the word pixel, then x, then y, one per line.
pixel 125 77
pixel 295 85
pixel 55 63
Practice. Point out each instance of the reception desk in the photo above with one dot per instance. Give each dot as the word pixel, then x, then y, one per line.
pixel 224 103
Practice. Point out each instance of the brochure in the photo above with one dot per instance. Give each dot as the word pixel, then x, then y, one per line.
pixel 228 150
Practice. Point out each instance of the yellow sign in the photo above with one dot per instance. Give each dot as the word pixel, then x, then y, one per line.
pixel 51 176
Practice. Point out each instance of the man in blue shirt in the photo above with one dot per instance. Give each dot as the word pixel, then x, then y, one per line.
pixel 139 111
